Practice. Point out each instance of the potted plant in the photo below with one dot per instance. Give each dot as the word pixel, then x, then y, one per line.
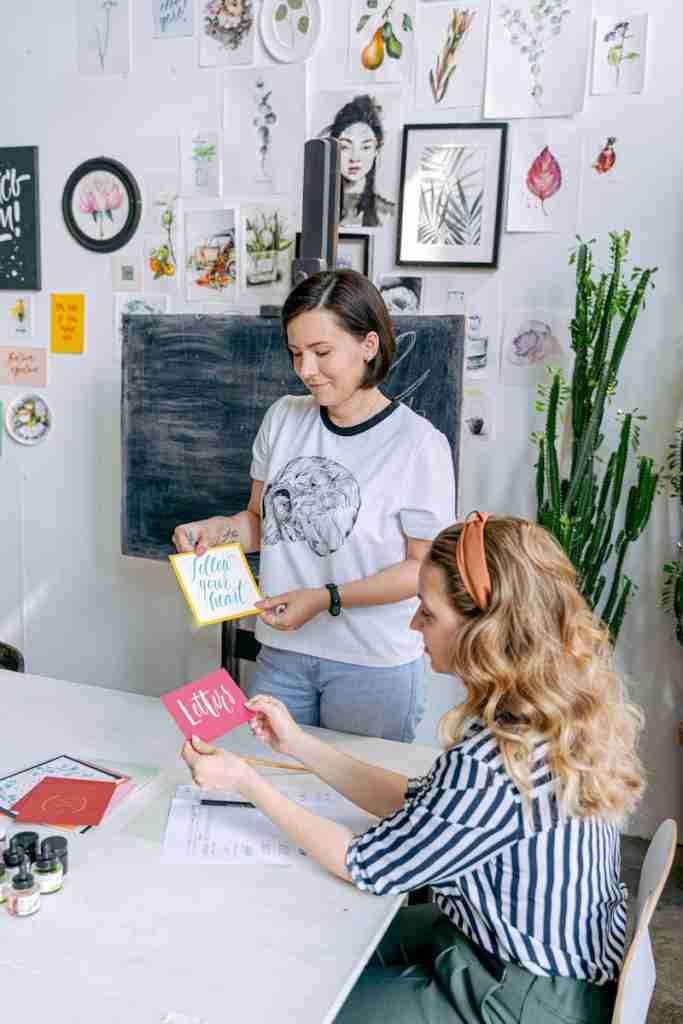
pixel 583 506
pixel 672 591
pixel 267 237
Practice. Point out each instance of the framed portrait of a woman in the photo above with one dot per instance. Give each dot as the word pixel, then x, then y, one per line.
pixel 451 195
pixel 367 128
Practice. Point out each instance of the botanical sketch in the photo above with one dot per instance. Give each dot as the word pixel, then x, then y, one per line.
pixel 211 259
pixel 607 157
pixel 19 323
pixel 451 195
pixel 381 40
pixel 544 177
pixel 402 295
pixel 537 57
pixel 268 237
pixel 200 164
pixel 264 118
pixel 532 341
pixel 226 32
pixel 447 60
pixel 451 55
pixel 104 41
pixel 367 128
pixel 290 29
pixel 477 415
pixel 619 54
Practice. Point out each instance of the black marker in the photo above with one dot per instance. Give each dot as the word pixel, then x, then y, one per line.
pixel 227 803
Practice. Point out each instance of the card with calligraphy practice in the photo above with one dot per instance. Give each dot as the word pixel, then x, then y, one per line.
pixel 209 707
pixel 67 334
pixel 219 585
pixel 20 365
pixel 57 801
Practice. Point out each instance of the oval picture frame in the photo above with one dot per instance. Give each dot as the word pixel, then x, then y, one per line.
pixel 101 204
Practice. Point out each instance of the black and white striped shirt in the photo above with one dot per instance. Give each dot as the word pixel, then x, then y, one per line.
pixel 528 885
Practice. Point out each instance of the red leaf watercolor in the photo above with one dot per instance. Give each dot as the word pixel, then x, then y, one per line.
pixel 544 177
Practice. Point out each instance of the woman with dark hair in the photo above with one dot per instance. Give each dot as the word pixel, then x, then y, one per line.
pixel 358 127
pixel 348 490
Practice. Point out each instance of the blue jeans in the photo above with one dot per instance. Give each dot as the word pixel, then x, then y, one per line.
pixel 383 702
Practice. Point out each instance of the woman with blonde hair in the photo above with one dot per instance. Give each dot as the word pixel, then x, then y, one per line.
pixel 515 828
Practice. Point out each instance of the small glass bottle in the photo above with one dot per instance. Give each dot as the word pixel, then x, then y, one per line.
pixel 48 870
pixel 12 858
pixel 29 840
pixel 3 881
pixel 23 895
pixel 59 847
pixel 3 836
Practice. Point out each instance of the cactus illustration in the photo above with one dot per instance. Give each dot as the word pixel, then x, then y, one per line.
pixel 583 508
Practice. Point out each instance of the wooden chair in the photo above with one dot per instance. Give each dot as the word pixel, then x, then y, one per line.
pixel 11 658
pixel 637 980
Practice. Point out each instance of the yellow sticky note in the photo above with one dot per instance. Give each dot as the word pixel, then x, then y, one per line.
pixel 67 333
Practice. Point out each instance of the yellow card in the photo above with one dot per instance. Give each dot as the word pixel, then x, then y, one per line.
pixel 67 334
pixel 219 585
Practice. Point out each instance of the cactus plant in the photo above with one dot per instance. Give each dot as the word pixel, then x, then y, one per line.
pixel 583 507
pixel 672 591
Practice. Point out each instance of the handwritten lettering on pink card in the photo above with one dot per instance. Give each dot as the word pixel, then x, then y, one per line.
pixel 209 707
pixel 21 365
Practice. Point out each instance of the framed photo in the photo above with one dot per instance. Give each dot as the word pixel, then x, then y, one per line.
pixel 451 195
pixel 19 219
pixel 101 205
pixel 353 251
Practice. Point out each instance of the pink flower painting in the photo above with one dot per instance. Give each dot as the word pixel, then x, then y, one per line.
pixel 101 196
pixel 544 177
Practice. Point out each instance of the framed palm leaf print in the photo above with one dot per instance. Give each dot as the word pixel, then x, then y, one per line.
pixel 451 198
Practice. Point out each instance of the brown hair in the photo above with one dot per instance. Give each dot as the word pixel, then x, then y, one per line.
pixel 537 664
pixel 357 307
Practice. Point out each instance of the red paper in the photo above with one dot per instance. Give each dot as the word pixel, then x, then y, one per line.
pixel 209 707
pixel 56 801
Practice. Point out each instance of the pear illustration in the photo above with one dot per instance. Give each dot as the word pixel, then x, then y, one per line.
pixel 373 54
pixel 394 45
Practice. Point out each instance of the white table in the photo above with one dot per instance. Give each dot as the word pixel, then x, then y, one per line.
pixel 129 939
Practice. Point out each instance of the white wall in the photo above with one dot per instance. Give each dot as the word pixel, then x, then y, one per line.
pixel 70 601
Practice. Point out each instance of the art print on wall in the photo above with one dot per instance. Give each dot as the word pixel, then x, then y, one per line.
pixel 619 54
pixel 200 164
pixel 366 125
pixel 101 205
pixel 354 252
pixel 532 341
pixel 211 256
pixel 126 269
pixel 104 37
pixel 226 32
pixel 543 191
pixel 28 419
pixel 172 18
pixel 19 218
pixel 23 366
pixel 382 41
pixel 268 245
pixel 451 195
pixel 17 318
pixel 290 29
pixel 264 130
pixel 401 294
pixel 537 53
pixel 160 242
pixel 136 304
pixel 451 56
pixel 477 415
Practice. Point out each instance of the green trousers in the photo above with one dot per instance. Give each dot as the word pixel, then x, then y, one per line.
pixel 425 971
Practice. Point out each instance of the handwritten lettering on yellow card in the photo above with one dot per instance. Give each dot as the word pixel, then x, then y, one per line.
pixel 67 333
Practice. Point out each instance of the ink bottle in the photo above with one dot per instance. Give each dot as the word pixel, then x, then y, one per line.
pixel 23 895
pixel 29 840
pixel 3 837
pixel 48 870
pixel 58 845
pixel 3 881
pixel 12 858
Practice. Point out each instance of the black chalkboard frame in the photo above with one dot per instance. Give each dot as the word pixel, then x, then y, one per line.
pixel 26 243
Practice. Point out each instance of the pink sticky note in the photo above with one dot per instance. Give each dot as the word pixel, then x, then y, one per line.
pixel 209 707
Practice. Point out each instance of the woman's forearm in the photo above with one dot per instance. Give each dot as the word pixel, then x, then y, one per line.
pixel 377 790
pixel 243 527
pixel 395 583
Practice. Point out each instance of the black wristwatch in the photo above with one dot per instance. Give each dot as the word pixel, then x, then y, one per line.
pixel 335 599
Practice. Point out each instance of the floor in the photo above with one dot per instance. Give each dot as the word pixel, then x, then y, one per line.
pixel 666 933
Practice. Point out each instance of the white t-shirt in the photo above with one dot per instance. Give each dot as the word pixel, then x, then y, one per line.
pixel 337 505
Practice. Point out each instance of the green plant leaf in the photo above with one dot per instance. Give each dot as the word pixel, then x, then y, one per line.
pixel 407 23
pixel 296 5
pixel 281 12
pixel 303 24
pixel 373 4
pixel 362 23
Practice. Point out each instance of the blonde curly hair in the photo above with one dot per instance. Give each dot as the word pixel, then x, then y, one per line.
pixel 537 665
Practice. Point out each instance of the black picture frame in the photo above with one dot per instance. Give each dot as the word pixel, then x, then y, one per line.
pixel 354 237
pixel 105 166
pixel 19 219
pixel 490 217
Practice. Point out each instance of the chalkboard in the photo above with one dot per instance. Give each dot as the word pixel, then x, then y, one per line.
pixel 19 219
pixel 194 392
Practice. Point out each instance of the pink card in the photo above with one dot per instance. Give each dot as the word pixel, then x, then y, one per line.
pixel 209 707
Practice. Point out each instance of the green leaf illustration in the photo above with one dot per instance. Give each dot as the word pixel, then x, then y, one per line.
pixel 362 23
pixel 303 24
pixel 296 5
pixel 281 12
pixel 407 23
pixel 373 4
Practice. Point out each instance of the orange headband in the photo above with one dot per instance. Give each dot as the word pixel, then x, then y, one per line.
pixel 471 559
